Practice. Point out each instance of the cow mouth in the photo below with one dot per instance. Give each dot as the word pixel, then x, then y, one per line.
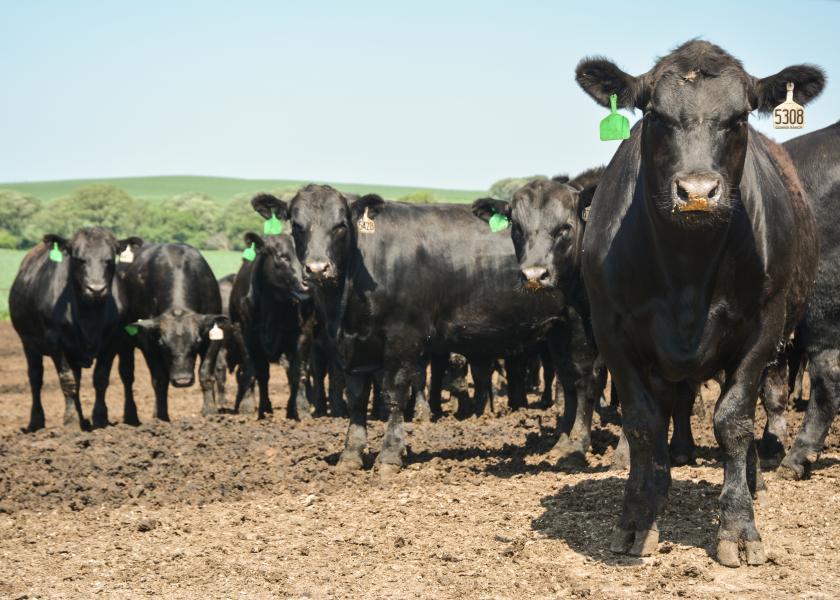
pixel 695 204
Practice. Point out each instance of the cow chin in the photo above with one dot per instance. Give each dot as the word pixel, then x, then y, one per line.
pixel 699 213
pixel 320 281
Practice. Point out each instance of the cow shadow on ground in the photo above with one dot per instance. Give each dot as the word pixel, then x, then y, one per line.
pixel 583 515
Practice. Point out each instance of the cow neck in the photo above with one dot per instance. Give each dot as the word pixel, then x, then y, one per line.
pixel 88 322
pixel 334 301
pixel 684 255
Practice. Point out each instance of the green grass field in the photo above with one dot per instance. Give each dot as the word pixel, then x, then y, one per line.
pixel 222 263
pixel 221 189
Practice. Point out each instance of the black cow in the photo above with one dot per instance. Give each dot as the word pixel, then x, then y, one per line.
pixel 71 309
pixel 269 303
pixel 423 280
pixel 698 255
pixel 817 160
pixel 174 301
pixel 547 224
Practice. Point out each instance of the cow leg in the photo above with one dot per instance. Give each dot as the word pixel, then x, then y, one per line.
pixel 207 378
pixel 35 372
pixel 547 362
pixel 682 446
pixel 69 378
pixel 160 383
pixel 481 369
pixel 439 363
pixel 261 373
pixel 338 407
pixel 734 422
pixel 126 370
pixel 378 409
pixel 101 378
pixel 773 393
pixel 358 391
pixel 221 378
pixel 396 382
pixel 516 368
pixel 244 403
pixel 298 405
pixel 646 428
pixel 422 412
pixel 316 390
pixel 824 370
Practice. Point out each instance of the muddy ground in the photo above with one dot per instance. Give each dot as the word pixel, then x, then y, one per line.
pixel 230 507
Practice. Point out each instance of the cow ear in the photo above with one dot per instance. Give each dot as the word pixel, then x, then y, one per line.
pixel 484 208
pixel 267 205
pixel 134 242
pixel 147 325
pixel 52 238
pixel 601 78
pixel 255 239
pixel 372 203
pixel 808 82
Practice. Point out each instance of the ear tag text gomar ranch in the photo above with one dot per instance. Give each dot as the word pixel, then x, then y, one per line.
pixel 127 256
pixel 789 114
pixel 614 126
pixel 216 333
pixel 366 224
pixel 498 222
pixel 131 330
pixel 250 253
pixel 273 226
pixel 55 254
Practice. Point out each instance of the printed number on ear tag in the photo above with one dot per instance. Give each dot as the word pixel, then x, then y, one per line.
pixel 789 114
pixel 216 333
pixel 366 224
pixel 55 254
pixel 498 223
pixel 614 126
pixel 127 256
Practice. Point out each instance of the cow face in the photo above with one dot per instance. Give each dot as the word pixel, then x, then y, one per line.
pixel 92 253
pixel 323 227
pixel 277 264
pixel 546 229
pixel 694 133
pixel 179 334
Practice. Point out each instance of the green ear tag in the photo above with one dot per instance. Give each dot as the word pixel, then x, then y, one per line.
pixel 131 329
pixel 250 252
pixel 615 126
pixel 273 226
pixel 498 223
pixel 55 253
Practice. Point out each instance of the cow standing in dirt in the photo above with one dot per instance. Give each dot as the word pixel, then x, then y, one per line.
pixel 698 256
pixel 66 303
pixel 817 159
pixel 174 301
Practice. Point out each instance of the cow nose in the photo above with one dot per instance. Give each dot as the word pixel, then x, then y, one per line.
pixel 698 186
pixel 536 275
pixel 317 268
pixel 182 380
pixel 96 289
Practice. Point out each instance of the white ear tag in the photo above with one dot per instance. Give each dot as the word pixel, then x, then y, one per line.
pixel 366 224
pixel 789 114
pixel 216 333
pixel 127 256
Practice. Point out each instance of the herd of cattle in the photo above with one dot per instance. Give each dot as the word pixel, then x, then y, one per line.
pixel 703 250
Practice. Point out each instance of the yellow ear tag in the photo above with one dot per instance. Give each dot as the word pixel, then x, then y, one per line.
pixel 216 333
pixel 127 256
pixel 789 114
pixel 366 224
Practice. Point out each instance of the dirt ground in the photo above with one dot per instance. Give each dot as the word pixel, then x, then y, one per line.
pixel 228 507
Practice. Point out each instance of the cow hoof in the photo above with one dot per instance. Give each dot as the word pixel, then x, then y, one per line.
pixel 133 421
pixel 32 427
pixel 646 542
pixel 791 468
pixel 209 409
pixel 727 553
pixel 247 406
pixel 621 540
pixel 388 470
pixel 754 553
pixel 350 461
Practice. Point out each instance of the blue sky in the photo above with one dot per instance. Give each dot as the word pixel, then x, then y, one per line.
pixel 431 93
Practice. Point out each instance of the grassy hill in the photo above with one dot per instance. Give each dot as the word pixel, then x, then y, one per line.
pixel 221 189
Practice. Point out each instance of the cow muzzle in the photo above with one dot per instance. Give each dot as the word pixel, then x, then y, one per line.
pixel 182 379
pixel 536 278
pixel 696 192
pixel 318 270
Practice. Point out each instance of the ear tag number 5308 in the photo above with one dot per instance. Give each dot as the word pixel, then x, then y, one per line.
pixel 789 114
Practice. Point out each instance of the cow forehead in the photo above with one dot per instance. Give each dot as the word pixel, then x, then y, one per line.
pixel 692 95
pixel 319 205
pixel 178 322
pixel 540 201
pixel 93 242
pixel 279 243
